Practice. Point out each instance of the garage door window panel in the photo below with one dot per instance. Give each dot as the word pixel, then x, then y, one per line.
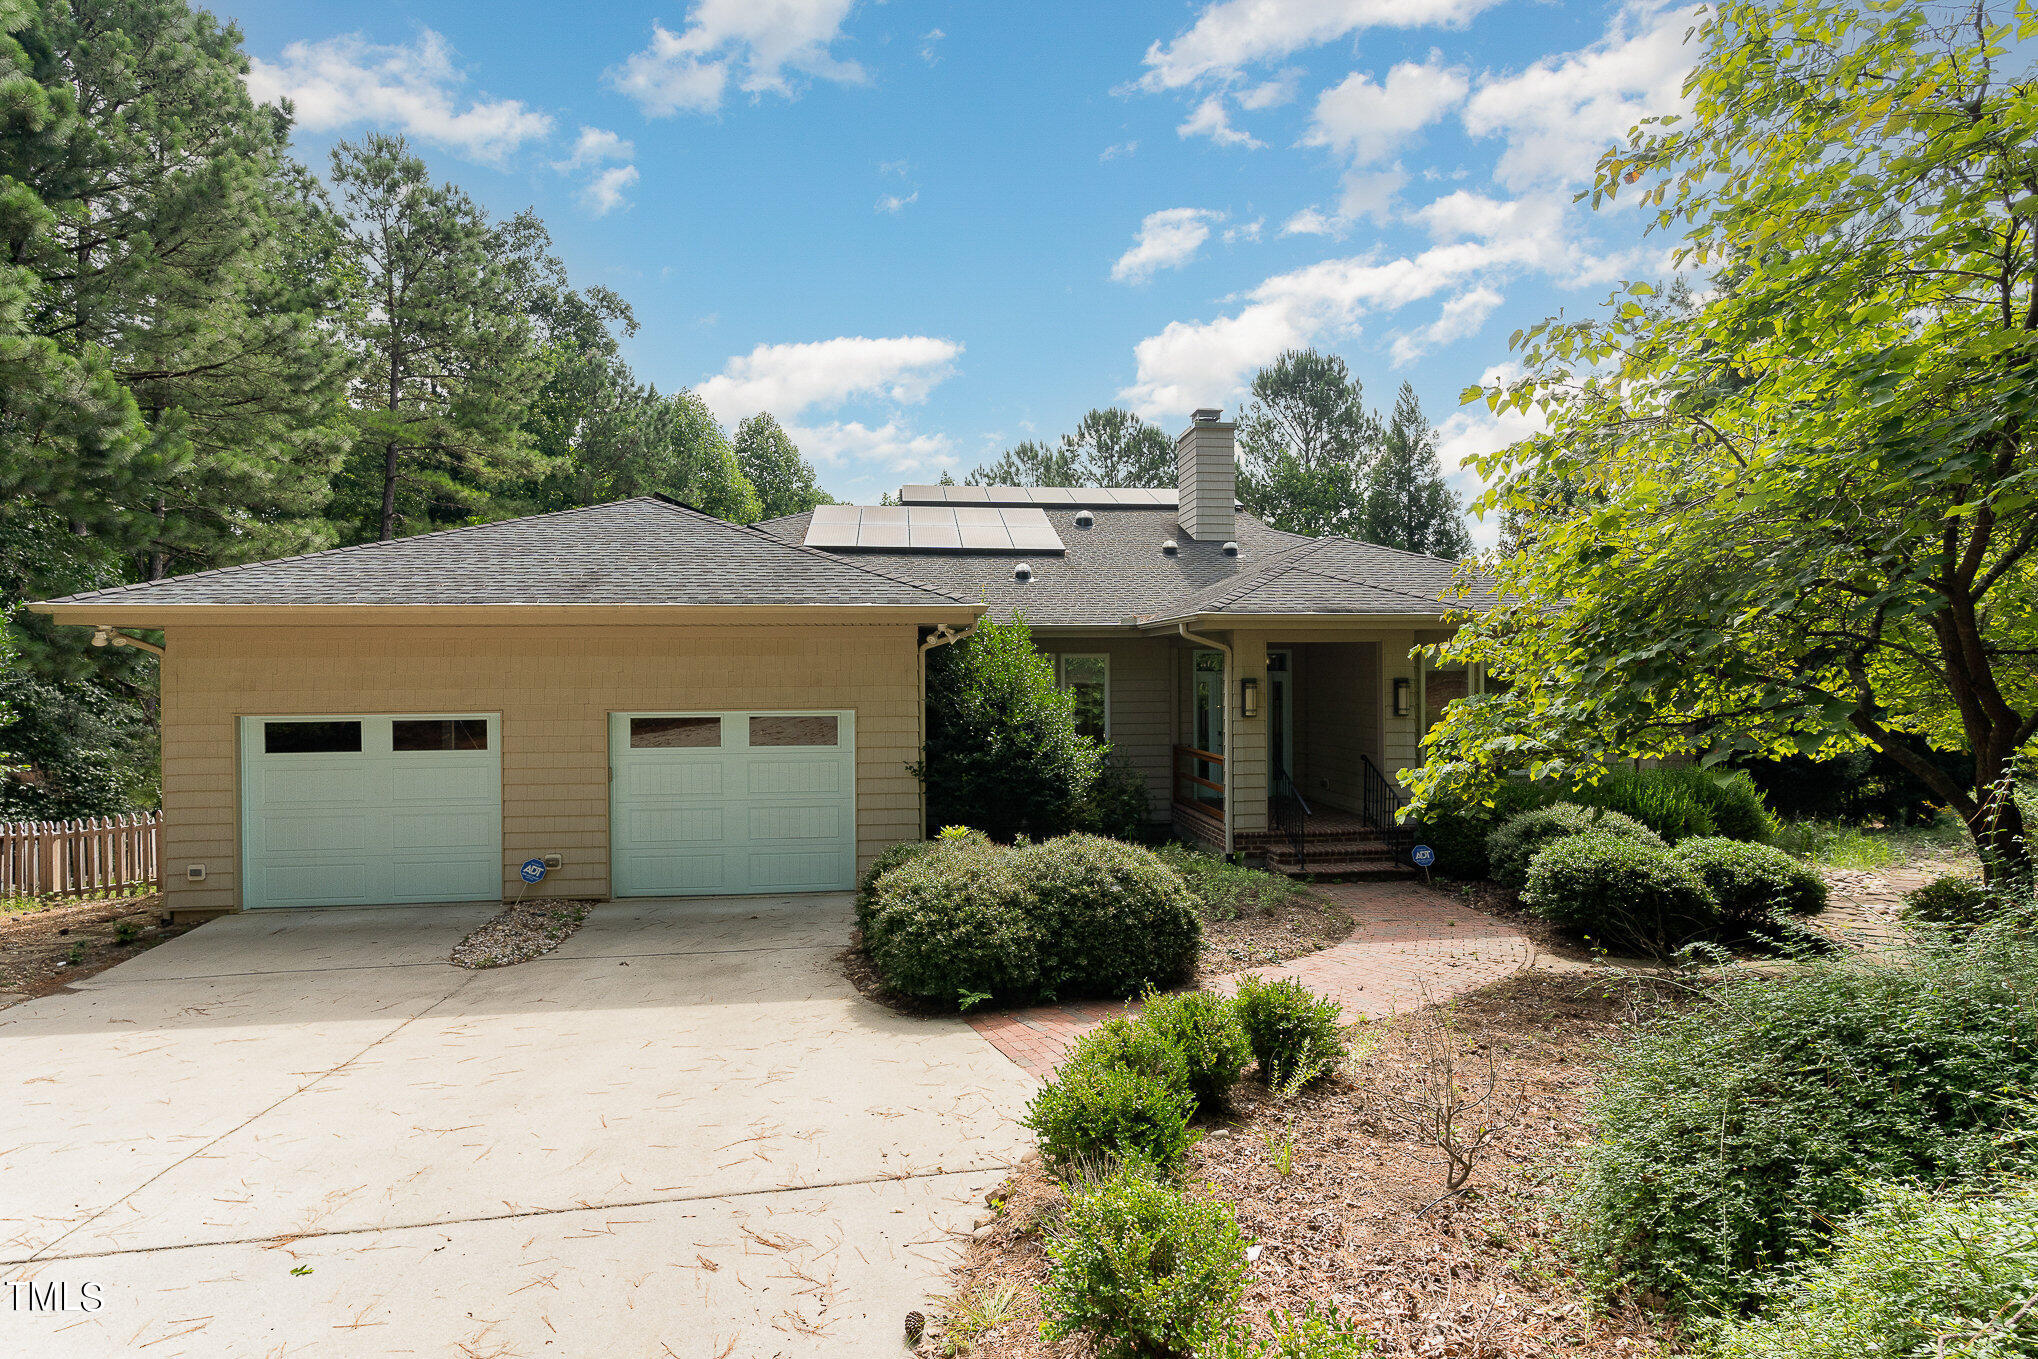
pixel 311 738
pixel 793 730
pixel 439 733
pixel 675 733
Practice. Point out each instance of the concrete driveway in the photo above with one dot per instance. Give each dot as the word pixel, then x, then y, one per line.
pixel 305 1133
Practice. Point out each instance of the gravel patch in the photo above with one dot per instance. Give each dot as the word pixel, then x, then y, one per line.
pixel 519 933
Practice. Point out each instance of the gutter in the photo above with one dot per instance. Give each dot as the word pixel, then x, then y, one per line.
pixel 1225 650
pixel 943 635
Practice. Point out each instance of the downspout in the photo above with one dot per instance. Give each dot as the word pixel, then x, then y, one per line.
pixel 944 635
pixel 1225 650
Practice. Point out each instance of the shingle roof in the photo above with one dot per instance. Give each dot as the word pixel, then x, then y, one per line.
pixel 1115 571
pixel 649 550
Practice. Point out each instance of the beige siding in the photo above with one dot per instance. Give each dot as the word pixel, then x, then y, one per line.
pixel 554 688
pixel 1142 711
pixel 1402 743
pixel 1246 766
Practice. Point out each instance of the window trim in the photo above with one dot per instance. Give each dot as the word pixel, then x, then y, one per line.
pixel 1061 678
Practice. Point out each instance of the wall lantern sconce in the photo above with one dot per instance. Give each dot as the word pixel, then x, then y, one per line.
pixel 1404 696
pixel 1249 698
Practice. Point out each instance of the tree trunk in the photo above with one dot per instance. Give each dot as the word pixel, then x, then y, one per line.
pixel 389 490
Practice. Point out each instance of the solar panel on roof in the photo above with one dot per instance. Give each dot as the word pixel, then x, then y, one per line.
pixel 1021 497
pixel 932 528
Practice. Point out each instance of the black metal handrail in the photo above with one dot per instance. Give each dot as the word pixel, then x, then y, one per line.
pixel 1383 801
pixel 1288 797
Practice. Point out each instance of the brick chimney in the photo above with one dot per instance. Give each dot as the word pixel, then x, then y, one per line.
pixel 1206 473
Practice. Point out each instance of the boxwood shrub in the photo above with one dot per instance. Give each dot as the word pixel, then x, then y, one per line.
pixel 1203 1030
pixel 1295 1034
pixel 1143 1269
pixel 1628 895
pixel 1954 903
pixel 1749 882
pixel 1075 916
pixel 1730 1135
pixel 1512 847
pixel 1097 1109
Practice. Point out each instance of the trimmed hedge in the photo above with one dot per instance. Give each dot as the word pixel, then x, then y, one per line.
pixel 1203 1030
pixel 1075 916
pixel 1751 883
pixel 1626 894
pixel 1295 1034
pixel 1458 832
pixel 1096 1109
pixel 1952 903
pixel 1515 845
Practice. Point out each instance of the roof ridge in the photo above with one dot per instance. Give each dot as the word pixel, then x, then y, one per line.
pixel 777 541
pixel 355 547
pixel 1256 582
pixel 1396 589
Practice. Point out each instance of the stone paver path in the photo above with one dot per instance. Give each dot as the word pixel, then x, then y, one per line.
pixel 1412 947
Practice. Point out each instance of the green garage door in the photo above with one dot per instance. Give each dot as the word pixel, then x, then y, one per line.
pixel 732 802
pixel 352 810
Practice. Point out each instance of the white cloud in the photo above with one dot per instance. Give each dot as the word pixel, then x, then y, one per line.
pixel 348 81
pixel 788 379
pixel 1461 318
pixel 1167 239
pixel 901 168
pixel 1117 149
pixel 1559 114
pixel 895 203
pixel 1230 35
pixel 754 42
pixel 1211 119
pixel 1312 222
pixel 890 444
pixel 1367 122
pixel 1473 431
pixel 607 184
pixel 1272 93
pixel 1202 363
pixel 930 45
pixel 1245 231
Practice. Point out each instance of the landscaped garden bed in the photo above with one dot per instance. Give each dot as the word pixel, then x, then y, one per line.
pixel 520 932
pixel 45 945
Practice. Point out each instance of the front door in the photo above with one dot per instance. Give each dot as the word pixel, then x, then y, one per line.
pixel 1209 717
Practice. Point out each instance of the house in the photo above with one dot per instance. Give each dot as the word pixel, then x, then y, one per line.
pixel 651 701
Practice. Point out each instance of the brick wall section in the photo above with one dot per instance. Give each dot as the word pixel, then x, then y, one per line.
pixel 554 687
pixel 1413 947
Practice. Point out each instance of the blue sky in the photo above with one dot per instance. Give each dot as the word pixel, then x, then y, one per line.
pixel 921 231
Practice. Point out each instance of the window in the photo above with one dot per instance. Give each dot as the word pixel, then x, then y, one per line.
pixel 439 733
pixel 1089 679
pixel 671 733
pixel 792 731
pixel 311 738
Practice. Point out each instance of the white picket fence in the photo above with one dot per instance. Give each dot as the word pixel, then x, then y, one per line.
pixel 79 858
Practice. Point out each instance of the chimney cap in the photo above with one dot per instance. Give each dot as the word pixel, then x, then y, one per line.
pixel 1207 415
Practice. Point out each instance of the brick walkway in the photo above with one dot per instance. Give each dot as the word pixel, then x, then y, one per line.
pixel 1412 947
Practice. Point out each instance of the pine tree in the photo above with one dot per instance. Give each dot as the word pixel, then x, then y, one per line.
pixel 1110 447
pixel 448 350
pixel 1409 505
pixel 784 480
pixel 1306 445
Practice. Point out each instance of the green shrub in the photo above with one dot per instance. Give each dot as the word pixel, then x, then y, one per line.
pixel 1738 809
pixel 1307 1334
pixel 888 859
pixel 1098 1109
pixel 1520 838
pixel 1003 753
pixel 1750 882
pixel 1682 802
pixel 1727 1136
pixel 1142 1269
pixel 953 919
pixel 1630 897
pixel 1916 1274
pixel 1226 890
pixel 1457 831
pixel 1294 1035
pixel 1203 1029
pixel 1110 918
pixel 1953 902
pixel 1132 1043
pixel 1117 804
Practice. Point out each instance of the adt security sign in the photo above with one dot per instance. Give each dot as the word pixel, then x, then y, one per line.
pixel 1423 855
pixel 534 870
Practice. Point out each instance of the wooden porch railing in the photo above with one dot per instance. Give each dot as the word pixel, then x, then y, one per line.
pixel 1187 781
pixel 78 858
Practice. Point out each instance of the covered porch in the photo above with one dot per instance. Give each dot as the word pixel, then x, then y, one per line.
pixel 1288 742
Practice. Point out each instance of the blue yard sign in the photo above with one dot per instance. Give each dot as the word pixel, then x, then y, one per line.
pixel 534 870
pixel 1423 855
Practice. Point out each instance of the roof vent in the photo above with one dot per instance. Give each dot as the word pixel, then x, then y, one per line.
pixel 1084 519
pixel 1231 549
pixel 1208 415
pixel 1022 573
pixel 1168 548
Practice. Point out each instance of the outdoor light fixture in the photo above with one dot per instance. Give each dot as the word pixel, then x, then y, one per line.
pixel 1249 698
pixel 1404 696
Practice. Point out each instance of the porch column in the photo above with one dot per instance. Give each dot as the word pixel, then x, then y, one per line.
pixel 1245 771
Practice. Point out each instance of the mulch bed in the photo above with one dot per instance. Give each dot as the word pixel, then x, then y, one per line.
pixel 1479 1275
pixel 1258 938
pixel 46 948
pixel 521 932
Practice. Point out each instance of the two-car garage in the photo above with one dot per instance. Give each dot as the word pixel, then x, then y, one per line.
pixel 364 809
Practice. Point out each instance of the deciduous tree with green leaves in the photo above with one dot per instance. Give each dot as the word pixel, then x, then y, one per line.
pixel 1306 446
pixel 784 480
pixel 1110 447
pixel 1806 505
